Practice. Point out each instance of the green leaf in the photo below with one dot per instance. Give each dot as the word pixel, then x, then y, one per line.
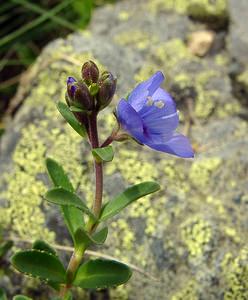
pixel 100 236
pixel 73 216
pixel 76 109
pixel 101 273
pixel 39 264
pixel 71 119
pixel 21 297
pixel 2 295
pixel 61 196
pixel 5 247
pixel 58 175
pixel 131 194
pixel 54 285
pixel 74 219
pixel 43 246
pixel 84 239
pixel 103 154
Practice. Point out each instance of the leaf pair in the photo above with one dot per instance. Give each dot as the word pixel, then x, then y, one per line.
pixel 73 216
pixel 93 274
pixel 63 197
pixel 72 207
pixel 41 264
pixel 101 273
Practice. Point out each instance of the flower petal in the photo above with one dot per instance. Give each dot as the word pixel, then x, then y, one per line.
pixel 161 117
pixel 139 95
pixel 130 120
pixel 71 80
pixel 178 145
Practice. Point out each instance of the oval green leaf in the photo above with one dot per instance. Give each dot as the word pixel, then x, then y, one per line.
pixel 100 236
pixel 103 154
pixel 43 246
pixel 71 119
pixel 63 197
pixel 101 273
pixel 21 297
pixel 58 175
pixel 2 295
pixel 84 239
pixel 39 264
pixel 131 194
pixel 76 109
pixel 73 216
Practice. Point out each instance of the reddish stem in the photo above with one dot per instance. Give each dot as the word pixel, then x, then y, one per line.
pixel 98 165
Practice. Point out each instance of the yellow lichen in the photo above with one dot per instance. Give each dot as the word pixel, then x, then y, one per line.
pixel 200 9
pixel 202 169
pixel 235 272
pixel 189 292
pixel 124 15
pixel 119 293
pixel 197 235
pixel 138 39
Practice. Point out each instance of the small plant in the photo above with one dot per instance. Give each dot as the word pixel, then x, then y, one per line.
pixel 148 116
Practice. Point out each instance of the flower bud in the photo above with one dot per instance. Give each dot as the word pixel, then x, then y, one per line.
pixel 90 72
pixel 78 95
pixel 107 84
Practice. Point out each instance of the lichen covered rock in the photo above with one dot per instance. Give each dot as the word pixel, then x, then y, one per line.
pixel 192 235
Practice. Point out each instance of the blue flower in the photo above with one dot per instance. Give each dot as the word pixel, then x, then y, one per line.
pixel 150 116
pixel 71 87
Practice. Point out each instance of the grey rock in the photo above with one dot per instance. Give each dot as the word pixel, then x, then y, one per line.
pixel 238 41
pixel 192 235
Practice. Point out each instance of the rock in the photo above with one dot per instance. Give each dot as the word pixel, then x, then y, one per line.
pixel 213 12
pixel 238 48
pixel 238 40
pixel 200 42
pixel 192 235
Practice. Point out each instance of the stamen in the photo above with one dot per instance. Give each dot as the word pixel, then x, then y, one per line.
pixel 159 104
pixel 150 101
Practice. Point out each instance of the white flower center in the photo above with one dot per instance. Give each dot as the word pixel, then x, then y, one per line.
pixel 157 103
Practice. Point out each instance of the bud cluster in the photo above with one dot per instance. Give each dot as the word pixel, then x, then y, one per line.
pixel 93 92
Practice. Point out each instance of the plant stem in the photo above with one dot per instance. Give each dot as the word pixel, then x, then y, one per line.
pixel 98 165
pixel 77 255
pixel 111 138
pixel 73 265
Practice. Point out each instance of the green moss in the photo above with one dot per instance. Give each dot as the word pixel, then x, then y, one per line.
pixel 197 235
pixel 235 272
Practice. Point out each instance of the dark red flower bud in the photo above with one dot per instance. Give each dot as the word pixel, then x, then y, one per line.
pixel 90 72
pixel 82 97
pixel 78 95
pixel 107 84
